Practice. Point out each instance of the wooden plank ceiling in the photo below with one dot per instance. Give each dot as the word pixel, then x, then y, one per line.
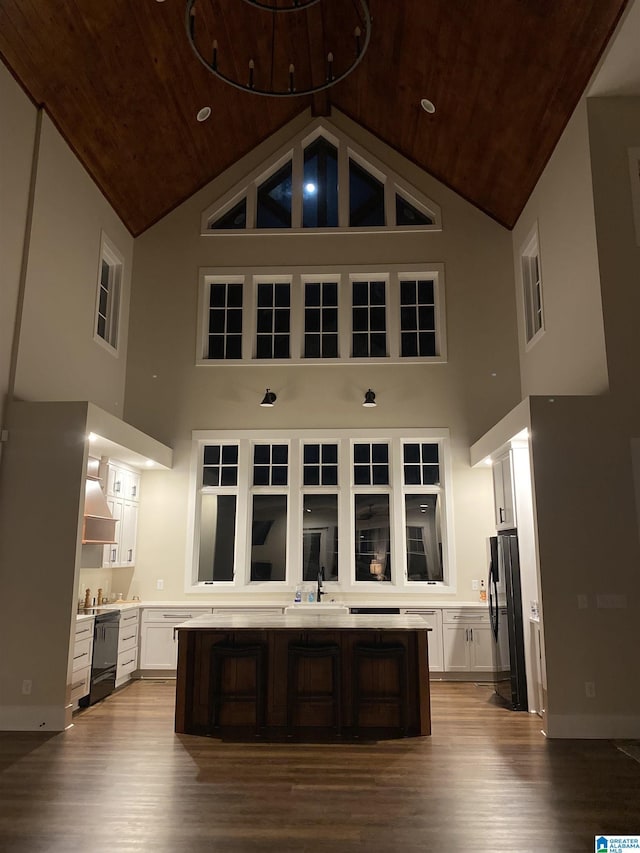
pixel 121 82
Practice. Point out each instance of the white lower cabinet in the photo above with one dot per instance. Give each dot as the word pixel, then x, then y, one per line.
pixel 467 640
pixel 82 654
pixel 158 648
pixel 433 618
pixel 127 646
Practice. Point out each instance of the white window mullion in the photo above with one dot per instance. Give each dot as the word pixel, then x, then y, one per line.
pixel 252 201
pixel 296 318
pixel 347 540
pixel 297 177
pixel 242 573
pixel 399 574
pixel 294 544
pixel 393 316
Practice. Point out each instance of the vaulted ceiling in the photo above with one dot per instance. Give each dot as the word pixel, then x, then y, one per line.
pixel 122 84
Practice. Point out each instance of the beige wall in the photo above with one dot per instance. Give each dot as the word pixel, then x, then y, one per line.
pixel 570 357
pixel 17 136
pixel 614 127
pixel 58 358
pixel 588 545
pixel 168 396
pixel 41 502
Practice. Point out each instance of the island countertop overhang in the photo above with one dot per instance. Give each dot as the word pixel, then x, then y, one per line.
pixel 304 621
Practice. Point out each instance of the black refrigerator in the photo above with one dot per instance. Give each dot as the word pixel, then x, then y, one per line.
pixel 505 611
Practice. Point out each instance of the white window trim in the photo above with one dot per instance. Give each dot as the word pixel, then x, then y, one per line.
pixel 293 150
pixel 115 260
pixel 392 273
pixel 295 491
pixel 529 250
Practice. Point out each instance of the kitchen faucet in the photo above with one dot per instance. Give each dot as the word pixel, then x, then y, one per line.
pixel 320 591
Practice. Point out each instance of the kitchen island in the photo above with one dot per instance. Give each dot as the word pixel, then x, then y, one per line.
pixel 392 694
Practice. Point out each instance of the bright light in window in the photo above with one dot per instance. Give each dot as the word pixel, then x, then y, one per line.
pixel 310 188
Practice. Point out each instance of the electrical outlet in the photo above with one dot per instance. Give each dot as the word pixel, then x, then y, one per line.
pixel 159 584
pixel 475 585
pixel 583 602
pixel 26 687
pixel 590 689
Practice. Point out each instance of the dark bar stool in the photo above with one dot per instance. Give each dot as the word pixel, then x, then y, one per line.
pixel 381 652
pixel 221 653
pixel 299 652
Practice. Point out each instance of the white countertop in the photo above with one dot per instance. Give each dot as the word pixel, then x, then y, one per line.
pixel 331 619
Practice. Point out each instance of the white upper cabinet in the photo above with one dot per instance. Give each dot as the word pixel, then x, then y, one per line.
pixel 504 501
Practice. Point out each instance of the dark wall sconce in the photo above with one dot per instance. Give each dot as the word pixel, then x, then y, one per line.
pixel 369 400
pixel 269 399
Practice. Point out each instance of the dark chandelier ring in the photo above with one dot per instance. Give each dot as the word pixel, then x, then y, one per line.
pixel 362 39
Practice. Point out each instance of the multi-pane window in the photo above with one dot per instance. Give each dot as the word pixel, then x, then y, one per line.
pixel 417 318
pixel 371 464
pixel 322 181
pixel 108 294
pixel 321 319
pixel 421 464
pixel 301 314
pixel 273 319
pixel 270 464
pixel 285 507
pixel 532 288
pixel 220 465
pixel 224 337
pixel 320 465
pixel 369 319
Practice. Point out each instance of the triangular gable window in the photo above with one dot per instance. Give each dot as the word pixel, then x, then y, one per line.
pixel 234 218
pixel 366 198
pixel 274 200
pixel 320 188
pixel 322 180
pixel 408 214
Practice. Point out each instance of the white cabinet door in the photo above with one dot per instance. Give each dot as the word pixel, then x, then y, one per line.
pixel 111 552
pixel 503 493
pixel 480 648
pixel 456 648
pixel 158 648
pixel 128 533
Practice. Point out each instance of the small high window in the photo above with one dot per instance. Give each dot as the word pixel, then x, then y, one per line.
pixel 369 337
pixel 273 320
pixel 532 288
pixel 108 296
pixel 224 338
pixel 366 197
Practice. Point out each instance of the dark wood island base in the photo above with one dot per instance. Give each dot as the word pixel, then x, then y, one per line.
pixel 365 676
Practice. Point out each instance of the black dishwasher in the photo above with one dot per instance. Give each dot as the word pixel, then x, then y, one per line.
pixel 105 656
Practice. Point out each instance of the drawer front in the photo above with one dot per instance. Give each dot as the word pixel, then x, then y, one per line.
pixel 80 683
pixel 128 638
pixel 127 662
pixel 84 629
pixel 469 614
pixel 173 615
pixel 82 654
pixel 128 617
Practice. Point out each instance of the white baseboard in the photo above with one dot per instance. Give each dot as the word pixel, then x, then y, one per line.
pixel 601 726
pixel 33 718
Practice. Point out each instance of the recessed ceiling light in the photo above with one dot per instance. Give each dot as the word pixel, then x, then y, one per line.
pixel 150 463
pixel 203 114
pixel 427 105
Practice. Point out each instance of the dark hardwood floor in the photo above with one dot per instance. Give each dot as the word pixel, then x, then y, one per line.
pixel 486 780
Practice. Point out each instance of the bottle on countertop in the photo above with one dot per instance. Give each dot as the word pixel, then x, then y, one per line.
pixel 298 596
pixel 483 591
pixel 87 599
pixel 99 596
